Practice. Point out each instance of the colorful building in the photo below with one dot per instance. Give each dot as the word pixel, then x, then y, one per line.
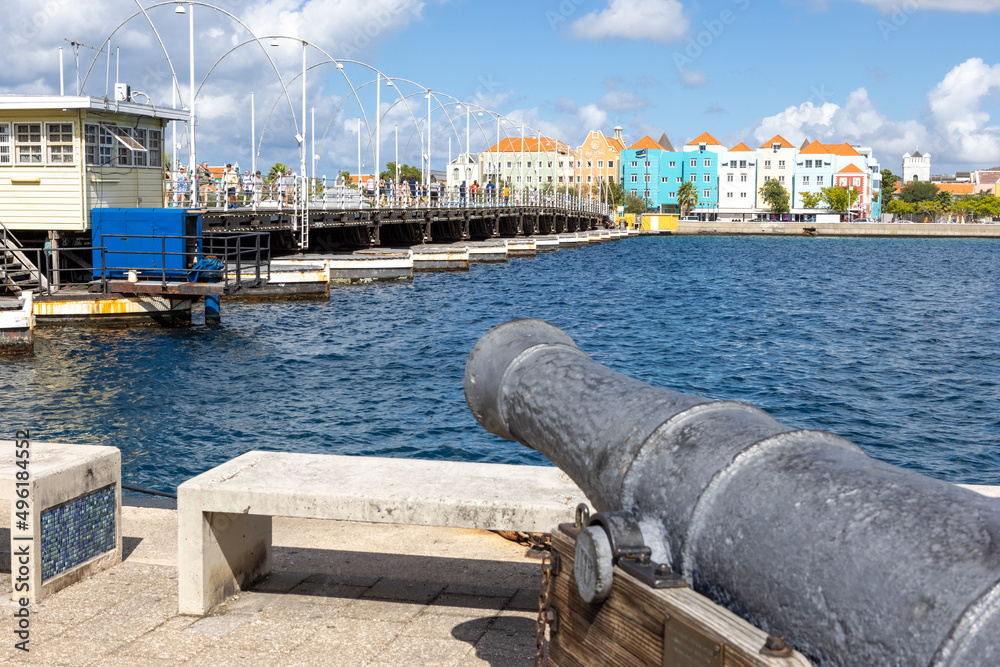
pixel 528 163
pixel 701 167
pixel 599 161
pixel 737 181
pixel 776 159
pixel 641 166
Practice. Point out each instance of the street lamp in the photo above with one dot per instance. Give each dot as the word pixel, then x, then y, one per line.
pixel 192 154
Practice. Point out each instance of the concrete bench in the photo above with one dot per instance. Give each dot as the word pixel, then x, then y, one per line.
pixel 71 527
pixel 224 515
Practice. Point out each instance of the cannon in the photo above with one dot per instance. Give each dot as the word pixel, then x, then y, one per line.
pixel 854 561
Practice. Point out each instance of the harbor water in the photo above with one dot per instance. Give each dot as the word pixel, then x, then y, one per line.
pixel 891 343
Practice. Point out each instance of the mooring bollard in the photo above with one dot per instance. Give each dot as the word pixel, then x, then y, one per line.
pixel 854 561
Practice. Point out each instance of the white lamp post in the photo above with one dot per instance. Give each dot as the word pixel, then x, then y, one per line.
pixel 192 153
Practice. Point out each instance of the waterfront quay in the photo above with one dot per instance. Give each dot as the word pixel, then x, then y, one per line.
pixel 870 229
pixel 360 594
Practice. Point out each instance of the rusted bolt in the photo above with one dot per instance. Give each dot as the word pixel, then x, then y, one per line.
pixel 775 643
pixel 663 570
pixel 776 647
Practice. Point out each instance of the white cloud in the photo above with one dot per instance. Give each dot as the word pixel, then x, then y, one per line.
pixel 957 110
pixel 691 78
pixel 655 20
pixel 957 132
pixel 344 28
pixel 622 101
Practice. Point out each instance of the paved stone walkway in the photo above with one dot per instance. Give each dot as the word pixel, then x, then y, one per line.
pixel 339 594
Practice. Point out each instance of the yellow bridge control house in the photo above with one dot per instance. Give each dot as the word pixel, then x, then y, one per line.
pixel 61 156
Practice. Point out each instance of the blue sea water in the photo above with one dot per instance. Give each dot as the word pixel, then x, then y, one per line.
pixel 892 343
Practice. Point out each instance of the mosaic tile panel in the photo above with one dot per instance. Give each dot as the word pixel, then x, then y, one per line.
pixel 77 531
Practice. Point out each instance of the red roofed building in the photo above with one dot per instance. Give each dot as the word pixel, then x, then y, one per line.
pixel 854 178
pixel 737 183
pixel 528 163
pixel 776 159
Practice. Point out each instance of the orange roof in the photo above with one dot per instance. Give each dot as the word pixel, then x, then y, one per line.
pixel 778 139
pixel 741 148
pixel 815 148
pixel 851 169
pixel 645 143
pixel 528 145
pixel 705 138
pixel 843 150
pixel 956 188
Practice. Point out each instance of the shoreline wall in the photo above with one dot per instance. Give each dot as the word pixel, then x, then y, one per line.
pixel 690 227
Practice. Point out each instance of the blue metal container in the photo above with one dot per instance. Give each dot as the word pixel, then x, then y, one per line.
pixel 146 240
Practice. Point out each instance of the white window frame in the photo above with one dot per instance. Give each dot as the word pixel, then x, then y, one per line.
pixel 694 162
pixel 707 162
pixel 18 144
pixel 781 164
pixel 50 158
pixel 805 180
pixel 694 178
pixel 707 178
pixel 6 145
pixel 819 180
pixel 767 164
pixel 635 178
pixel 707 193
pixel 673 165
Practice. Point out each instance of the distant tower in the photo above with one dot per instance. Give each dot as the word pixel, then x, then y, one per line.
pixel 916 167
pixel 618 133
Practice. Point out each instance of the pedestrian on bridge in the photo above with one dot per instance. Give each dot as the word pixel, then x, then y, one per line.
pixel 461 194
pixel 258 189
pixel 490 191
pixel 413 190
pixel 230 181
pixel 474 190
pixel 181 188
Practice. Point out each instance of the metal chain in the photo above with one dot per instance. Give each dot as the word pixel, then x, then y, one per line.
pixel 541 650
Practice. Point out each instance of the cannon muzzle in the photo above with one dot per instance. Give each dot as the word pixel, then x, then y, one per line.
pixel 855 561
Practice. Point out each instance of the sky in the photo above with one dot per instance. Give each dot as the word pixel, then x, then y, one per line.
pixel 896 75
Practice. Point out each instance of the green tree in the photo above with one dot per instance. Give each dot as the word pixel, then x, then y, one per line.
pixel 278 169
pixel 615 192
pixel 917 191
pixel 776 196
pixel 634 204
pixel 687 197
pixel 889 181
pixel 839 198
pixel 945 199
pixel 406 172
pixel 987 206
pixel 812 200
pixel 346 173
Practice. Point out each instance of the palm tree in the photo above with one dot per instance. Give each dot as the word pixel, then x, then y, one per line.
pixel 687 197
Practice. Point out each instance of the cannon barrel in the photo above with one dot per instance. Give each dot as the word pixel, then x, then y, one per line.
pixel 854 561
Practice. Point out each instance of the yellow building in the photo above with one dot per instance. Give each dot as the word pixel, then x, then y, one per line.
pixel 61 156
pixel 598 161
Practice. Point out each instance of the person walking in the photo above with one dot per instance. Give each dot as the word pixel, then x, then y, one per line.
pixel 231 182
pixel 370 189
pixel 413 190
pixel 258 189
pixel 461 194
pixel 474 190
pixel 204 182
pixel 247 186
pixel 181 188
pixel 490 191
